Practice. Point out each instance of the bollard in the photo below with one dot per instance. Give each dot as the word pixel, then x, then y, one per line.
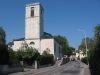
pixel 36 66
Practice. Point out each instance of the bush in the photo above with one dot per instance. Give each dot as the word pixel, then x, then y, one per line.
pixel 84 60
pixel 13 57
pixel 46 59
pixel 28 55
pixel 4 55
pixel 95 62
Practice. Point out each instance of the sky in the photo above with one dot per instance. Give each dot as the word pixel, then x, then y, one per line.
pixel 61 17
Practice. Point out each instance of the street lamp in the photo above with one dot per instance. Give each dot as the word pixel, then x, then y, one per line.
pixel 85 43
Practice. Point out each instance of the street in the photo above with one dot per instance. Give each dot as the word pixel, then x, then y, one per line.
pixel 71 68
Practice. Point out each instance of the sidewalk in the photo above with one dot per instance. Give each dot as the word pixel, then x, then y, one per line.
pixel 33 71
pixel 86 70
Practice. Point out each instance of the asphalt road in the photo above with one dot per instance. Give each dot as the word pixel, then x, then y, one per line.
pixel 71 68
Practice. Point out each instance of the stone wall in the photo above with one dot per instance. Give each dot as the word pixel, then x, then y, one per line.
pixel 5 69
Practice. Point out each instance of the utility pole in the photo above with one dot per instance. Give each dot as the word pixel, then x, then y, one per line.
pixel 85 44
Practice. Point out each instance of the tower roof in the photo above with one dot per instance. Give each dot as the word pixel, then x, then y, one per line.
pixel 33 4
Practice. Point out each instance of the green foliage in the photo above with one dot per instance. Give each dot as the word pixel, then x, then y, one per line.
pixel 95 55
pixel 70 51
pixel 63 42
pixel 46 58
pixel 95 60
pixel 28 55
pixel 67 50
pixel 20 54
pixel 4 55
pixel 2 36
pixel 13 58
pixel 84 60
pixel 94 51
pixel 90 44
pixel 97 32
pixel 46 52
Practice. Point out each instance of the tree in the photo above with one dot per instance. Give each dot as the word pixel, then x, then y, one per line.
pixel 31 53
pixel 95 57
pixel 4 55
pixel 90 44
pixel 28 55
pixel 64 43
pixel 13 57
pixel 70 51
pixel 2 36
pixel 46 52
pixel 46 57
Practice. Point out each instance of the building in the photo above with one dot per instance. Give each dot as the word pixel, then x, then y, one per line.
pixel 80 54
pixel 34 33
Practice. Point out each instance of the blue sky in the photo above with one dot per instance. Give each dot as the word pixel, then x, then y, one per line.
pixel 61 17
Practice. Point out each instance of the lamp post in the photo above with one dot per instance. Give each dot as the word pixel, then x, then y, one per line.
pixel 85 43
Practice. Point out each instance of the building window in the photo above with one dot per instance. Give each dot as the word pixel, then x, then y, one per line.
pixel 32 43
pixel 41 12
pixel 59 50
pixel 32 11
pixel 54 47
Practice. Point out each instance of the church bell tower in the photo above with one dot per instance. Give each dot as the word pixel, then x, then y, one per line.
pixel 33 21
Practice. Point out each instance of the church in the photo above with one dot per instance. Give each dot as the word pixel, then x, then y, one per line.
pixel 35 36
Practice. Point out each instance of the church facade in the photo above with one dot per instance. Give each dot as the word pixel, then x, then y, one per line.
pixel 35 36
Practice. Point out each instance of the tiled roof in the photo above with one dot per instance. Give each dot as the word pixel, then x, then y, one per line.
pixel 20 39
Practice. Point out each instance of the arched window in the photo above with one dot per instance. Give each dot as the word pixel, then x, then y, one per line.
pixel 32 43
pixel 32 11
